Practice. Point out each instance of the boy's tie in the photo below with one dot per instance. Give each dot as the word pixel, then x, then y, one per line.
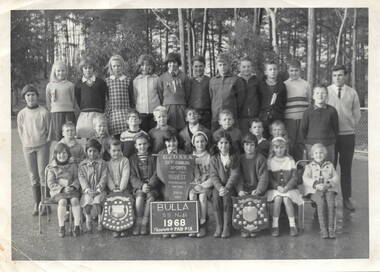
pixel 339 92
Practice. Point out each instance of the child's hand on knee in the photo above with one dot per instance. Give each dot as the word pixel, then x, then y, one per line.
pixel 280 189
pixel 222 191
pixel 254 193
pixel 320 187
pixel 145 188
pixel 198 188
pixel 242 193
pixel 68 189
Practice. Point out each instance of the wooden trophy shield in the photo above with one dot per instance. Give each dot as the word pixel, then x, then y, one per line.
pixel 118 213
pixel 250 213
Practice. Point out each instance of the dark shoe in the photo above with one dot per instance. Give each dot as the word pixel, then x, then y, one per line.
pixel 275 232
pixel 61 232
pixel 76 232
pixel 293 231
pixel 174 235
pixel 192 235
pixel 332 234
pixel 244 234
pixel 348 205
pixel 218 219
pixel 165 235
pixel 324 234
pixel 35 210
pixel 115 234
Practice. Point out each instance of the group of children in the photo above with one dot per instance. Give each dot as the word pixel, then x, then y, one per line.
pixel 127 123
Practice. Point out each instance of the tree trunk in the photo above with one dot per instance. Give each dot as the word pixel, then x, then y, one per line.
pixel 193 34
pixel 311 46
pixel 340 37
pixel 182 40
pixel 189 41
pixel 166 40
pixel 272 16
pixel 46 57
pixel 353 58
pixel 213 48
pixel 204 32
pixel 220 36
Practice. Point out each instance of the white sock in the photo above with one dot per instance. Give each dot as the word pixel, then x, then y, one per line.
pixel 292 222
pixel 275 222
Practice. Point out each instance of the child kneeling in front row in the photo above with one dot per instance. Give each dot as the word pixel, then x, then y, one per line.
pixel 92 176
pixel 202 180
pixel 118 174
pixel 283 184
pixel 144 181
pixel 62 179
pixel 254 172
pixel 321 181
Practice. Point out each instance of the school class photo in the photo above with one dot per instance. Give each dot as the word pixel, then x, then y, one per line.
pixel 200 131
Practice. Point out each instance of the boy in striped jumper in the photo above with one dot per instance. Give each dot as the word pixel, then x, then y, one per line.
pixel 298 91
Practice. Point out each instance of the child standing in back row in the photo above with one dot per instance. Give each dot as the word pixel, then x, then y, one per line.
pixel 118 91
pixel 60 99
pixel 91 93
pixel 34 129
pixel 146 91
pixel 298 97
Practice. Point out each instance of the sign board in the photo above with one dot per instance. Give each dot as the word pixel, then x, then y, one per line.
pixel 176 171
pixel 172 217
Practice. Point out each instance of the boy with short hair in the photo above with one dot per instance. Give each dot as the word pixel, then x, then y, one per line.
pixel 76 149
pixel 126 137
pixel 298 93
pixel 320 123
pixel 251 107
pixel 199 98
pixel 272 95
pixel 158 133
pixel 34 129
pixel 193 125
pixel 346 101
pixel 226 122
pixel 263 144
pixel 227 91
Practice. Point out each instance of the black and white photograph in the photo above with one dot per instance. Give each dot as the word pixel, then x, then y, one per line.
pixel 199 133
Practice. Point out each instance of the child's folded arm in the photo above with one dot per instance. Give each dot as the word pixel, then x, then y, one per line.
pixel 52 182
pixel 214 177
pixel 234 176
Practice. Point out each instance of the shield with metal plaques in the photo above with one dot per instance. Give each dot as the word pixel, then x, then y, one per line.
pixel 250 213
pixel 118 214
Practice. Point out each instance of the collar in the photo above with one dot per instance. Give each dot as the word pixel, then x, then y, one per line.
pixel 336 87
pixel 174 74
pixel 122 77
pixel 32 108
pixel 297 79
pixel 148 76
pixel 200 155
pixel 195 127
pixel 246 77
pixel 199 79
pixel 316 107
pixel 229 74
pixel 261 140
pixel 91 163
pixel 88 80
pixel 173 152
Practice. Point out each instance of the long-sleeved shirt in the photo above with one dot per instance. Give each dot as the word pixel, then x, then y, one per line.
pixel 146 93
pixel 199 97
pixel 254 174
pixel 320 125
pixel 224 176
pixel 251 106
pixel 316 173
pixel 272 100
pixel 61 176
pixel 298 96
pixel 118 173
pixel 348 108
pixel 92 175
pixel 34 127
pixel 174 90
pixel 91 98
pixel 226 92
pixel 60 96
